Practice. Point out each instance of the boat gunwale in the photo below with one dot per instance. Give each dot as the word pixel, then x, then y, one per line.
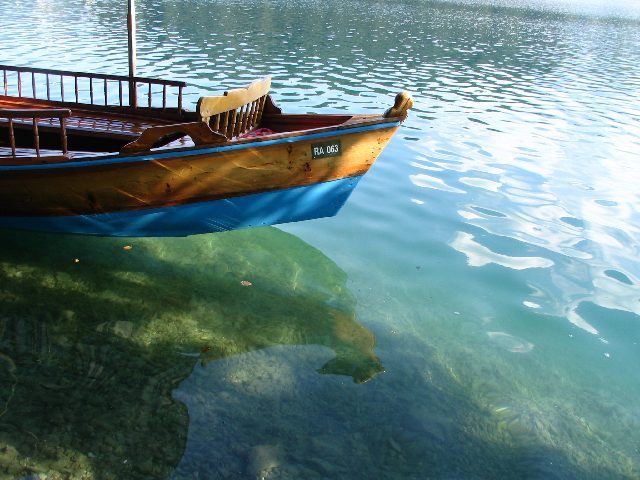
pixel 375 122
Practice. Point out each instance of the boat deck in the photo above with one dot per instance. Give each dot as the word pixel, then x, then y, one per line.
pixel 83 126
pixel 111 124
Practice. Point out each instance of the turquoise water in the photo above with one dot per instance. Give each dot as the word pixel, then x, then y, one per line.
pixel 488 262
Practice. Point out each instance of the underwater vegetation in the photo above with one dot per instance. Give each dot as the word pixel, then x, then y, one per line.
pixel 95 333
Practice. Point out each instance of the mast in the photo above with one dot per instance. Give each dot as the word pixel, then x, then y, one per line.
pixel 131 29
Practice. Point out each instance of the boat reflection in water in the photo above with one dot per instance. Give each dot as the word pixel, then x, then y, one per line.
pixel 95 334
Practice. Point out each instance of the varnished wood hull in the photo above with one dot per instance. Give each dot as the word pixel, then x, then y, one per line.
pixel 178 192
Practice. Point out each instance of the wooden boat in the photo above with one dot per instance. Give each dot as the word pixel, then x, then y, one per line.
pixel 106 169
pixel 80 154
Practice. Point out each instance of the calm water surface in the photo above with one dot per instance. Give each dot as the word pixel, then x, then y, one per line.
pixel 472 313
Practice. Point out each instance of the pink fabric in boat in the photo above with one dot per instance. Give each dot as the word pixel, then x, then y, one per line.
pixel 258 132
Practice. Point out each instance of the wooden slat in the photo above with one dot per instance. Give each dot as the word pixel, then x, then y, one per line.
pixel 12 137
pixel 240 121
pixel 255 110
pixel 63 135
pixel 232 123
pixel 36 136
pixel 263 103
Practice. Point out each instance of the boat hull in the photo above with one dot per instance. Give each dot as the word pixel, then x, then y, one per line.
pixel 261 209
pixel 188 191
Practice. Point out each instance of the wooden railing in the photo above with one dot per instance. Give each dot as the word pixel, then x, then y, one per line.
pixel 34 115
pixel 25 81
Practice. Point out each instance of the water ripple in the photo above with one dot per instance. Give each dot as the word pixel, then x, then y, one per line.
pixel 479 255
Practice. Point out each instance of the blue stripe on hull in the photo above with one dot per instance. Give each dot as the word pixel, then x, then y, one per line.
pixel 261 209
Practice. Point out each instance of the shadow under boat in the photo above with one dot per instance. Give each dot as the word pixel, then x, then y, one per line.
pixel 95 333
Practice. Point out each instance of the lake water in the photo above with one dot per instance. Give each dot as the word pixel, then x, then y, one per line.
pixel 473 312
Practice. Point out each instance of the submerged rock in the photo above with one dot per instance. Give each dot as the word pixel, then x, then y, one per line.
pixel 264 458
pixel 123 329
pixel 510 343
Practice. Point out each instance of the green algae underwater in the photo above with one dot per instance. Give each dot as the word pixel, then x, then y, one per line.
pixel 96 332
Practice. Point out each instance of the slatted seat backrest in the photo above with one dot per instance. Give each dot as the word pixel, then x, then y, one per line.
pixel 237 111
